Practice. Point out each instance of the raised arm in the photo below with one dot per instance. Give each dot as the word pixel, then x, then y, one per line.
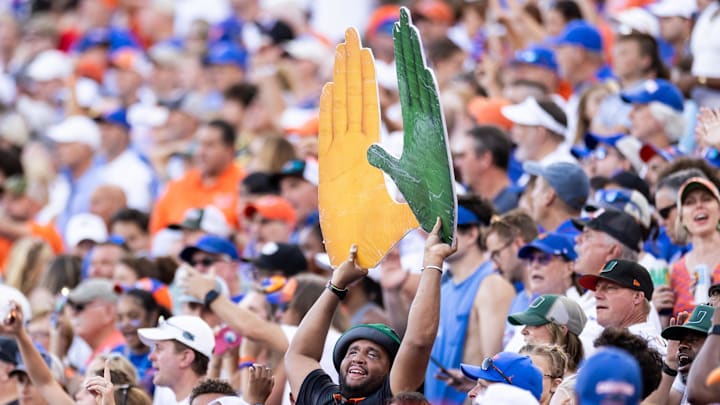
pixel 303 355
pixel 408 370
pixel 37 370
pixel 239 319
pixel 706 361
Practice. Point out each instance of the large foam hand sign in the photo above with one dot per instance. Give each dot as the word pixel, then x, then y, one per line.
pixel 424 172
pixel 355 207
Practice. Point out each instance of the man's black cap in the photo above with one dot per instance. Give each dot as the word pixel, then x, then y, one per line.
pixel 8 350
pixel 624 273
pixel 617 224
pixel 284 257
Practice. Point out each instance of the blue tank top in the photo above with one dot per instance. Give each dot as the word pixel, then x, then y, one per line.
pixel 456 302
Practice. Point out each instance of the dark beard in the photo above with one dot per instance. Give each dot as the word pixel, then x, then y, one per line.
pixel 358 392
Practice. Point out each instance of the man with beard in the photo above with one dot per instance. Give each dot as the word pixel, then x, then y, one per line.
pixel 685 342
pixel 373 363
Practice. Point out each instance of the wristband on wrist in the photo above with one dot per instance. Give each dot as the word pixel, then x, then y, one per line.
pixel 429 266
pixel 669 371
pixel 245 364
pixel 211 296
pixel 339 292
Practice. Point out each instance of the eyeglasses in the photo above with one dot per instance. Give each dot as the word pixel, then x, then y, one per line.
pixel 79 307
pixel 488 363
pixel 495 253
pixel 541 258
pixel 665 212
pixel 185 334
pixel 206 261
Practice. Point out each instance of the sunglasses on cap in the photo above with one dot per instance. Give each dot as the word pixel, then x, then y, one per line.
pixel 185 334
pixel 488 363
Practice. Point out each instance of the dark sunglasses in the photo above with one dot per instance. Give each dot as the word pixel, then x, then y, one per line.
pixel 124 390
pixel 488 363
pixel 204 262
pixel 665 212
pixel 541 258
pixel 78 307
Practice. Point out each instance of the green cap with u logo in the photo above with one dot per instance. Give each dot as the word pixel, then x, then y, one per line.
pixel 552 308
pixel 700 322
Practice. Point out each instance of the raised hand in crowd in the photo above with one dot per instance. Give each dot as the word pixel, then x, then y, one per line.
pixel 101 388
pixel 259 385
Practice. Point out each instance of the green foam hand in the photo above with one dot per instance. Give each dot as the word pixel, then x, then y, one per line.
pixel 423 173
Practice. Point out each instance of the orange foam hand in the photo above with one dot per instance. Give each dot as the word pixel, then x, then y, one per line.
pixel 355 207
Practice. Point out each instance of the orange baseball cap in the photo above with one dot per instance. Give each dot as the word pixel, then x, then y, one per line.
pixel 272 207
pixel 435 10
pixel 487 111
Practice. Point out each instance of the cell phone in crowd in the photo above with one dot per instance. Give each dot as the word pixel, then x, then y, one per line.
pixel 440 366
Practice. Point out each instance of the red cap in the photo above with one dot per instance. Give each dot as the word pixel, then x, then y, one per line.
pixel 435 10
pixel 488 111
pixel 272 207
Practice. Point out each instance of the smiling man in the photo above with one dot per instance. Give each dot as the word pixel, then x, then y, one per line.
pixel 623 290
pixel 372 362
pixel 691 338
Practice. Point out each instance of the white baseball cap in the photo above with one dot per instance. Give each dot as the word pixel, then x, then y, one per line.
pixel 8 294
pixel 76 128
pixel 530 113
pixel 228 400
pixel 50 65
pixel 189 330
pixel 208 219
pixel 674 8
pixel 85 226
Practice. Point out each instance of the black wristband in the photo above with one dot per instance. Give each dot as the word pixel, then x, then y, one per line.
pixel 667 370
pixel 340 292
pixel 211 296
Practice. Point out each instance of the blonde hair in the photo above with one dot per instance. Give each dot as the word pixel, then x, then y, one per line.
pixel 570 344
pixel 554 353
pixel 26 264
pixel 273 153
pixel 122 370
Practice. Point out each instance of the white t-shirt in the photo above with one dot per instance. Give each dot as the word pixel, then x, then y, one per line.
pixel 166 396
pixel 647 331
pixel 326 362
pixel 134 176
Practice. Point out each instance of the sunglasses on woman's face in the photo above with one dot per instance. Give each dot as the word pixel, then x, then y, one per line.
pixel 665 212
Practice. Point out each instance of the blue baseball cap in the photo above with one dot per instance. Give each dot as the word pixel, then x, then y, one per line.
pixel 553 243
pixel 210 244
pixel 609 375
pixel 117 117
pixel 113 38
pixel 568 180
pixel 581 34
pixel 536 56
pixel 659 90
pixel 466 217
pixel 593 140
pixel 227 53
pixel 509 368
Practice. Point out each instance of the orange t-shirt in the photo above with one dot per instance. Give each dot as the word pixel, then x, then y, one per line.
pixel 190 192
pixel 47 233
